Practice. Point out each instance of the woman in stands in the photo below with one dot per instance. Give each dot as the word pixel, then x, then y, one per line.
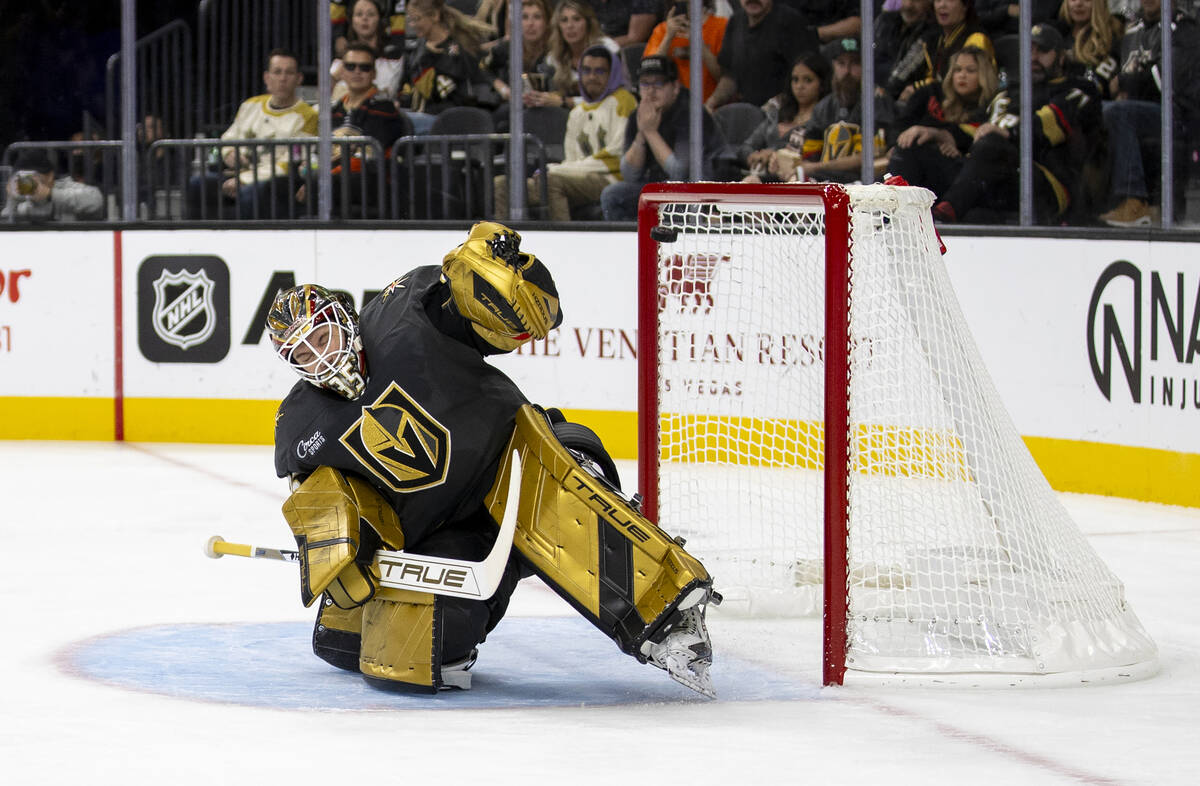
pixel 940 119
pixel 670 39
pixel 573 29
pixel 1094 35
pixel 535 35
pixel 370 25
pixel 443 71
pixel 957 27
pixel 787 114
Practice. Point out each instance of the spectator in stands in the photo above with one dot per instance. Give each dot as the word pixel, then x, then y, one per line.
pixel 671 39
pixel 759 47
pixel 958 26
pixel 34 193
pixel 368 25
pixel 787 115
pixel 900 44
pixel 1134 119
pixel 937 124
pixel 256 178
pixel 340 15
pixel 362 111
pixel 1093 35
pixel 573 30
pixel 1066 128
pixel 535 38
pixel 594 141
pixel 833 135
pixel 443 71
pixel 658 143
pixel 627 21
pixel 1002 17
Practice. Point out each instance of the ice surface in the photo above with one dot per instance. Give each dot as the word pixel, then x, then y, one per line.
pixel 128 657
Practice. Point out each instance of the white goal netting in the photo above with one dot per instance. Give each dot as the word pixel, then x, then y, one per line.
pixel 960 556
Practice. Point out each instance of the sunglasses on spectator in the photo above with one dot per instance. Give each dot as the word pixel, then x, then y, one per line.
pixel 358 66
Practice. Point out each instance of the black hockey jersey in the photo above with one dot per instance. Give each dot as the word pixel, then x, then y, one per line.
pixel 429 430
pixel 1067 128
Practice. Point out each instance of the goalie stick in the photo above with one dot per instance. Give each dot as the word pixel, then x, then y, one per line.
pixel 403 570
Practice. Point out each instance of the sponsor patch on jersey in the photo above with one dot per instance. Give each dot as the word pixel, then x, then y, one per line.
pixel 309 447
pixel 400 443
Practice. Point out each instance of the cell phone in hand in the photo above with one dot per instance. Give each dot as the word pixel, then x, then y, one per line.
pixel 681 8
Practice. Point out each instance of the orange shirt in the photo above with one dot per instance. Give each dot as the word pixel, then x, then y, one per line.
pixel 713 33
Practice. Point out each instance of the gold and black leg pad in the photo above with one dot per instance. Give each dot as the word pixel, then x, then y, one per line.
pixel 414 640
pixel 588 543
pixel 337 635
pixel 399 635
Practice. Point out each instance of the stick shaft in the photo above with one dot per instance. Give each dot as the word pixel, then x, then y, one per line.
pixel 218 547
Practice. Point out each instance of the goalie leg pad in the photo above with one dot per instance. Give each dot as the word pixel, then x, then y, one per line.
pixel 337 635
pixel 416 640
pixel 588 543
pixel 325 514
pixel 398 635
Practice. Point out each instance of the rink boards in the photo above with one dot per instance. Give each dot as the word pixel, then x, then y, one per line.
pixel 156 336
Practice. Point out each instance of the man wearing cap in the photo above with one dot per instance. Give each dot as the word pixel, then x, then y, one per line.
pixel 761 41
pixel 833 135
pixel 35 194
pixel 592 145
pixel 658 142
pixel 1066 131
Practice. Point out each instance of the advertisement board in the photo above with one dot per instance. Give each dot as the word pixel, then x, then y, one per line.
pixel 1091 344
pixel 57 327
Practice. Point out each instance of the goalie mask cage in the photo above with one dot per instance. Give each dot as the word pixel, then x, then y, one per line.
pixel 814 415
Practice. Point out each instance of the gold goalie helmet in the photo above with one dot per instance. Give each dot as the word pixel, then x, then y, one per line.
pixel 506 294
pixel 315 331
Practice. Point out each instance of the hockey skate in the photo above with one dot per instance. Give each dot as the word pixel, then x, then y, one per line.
pixel 685 652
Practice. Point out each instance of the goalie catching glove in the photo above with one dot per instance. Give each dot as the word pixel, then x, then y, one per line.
pixel 508 296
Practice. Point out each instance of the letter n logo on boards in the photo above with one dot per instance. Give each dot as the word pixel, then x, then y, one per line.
pixel 183 309
pixel 400 443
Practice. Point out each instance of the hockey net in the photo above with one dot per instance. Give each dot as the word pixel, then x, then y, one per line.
pixel 947 550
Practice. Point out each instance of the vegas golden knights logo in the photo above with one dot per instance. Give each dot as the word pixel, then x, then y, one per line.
pixel 399 442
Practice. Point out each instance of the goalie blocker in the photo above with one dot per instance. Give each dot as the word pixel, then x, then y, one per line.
pixel 574 529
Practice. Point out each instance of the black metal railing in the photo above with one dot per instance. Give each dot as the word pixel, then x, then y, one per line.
pixel 255 179
pixel 452 176
pixel 165 76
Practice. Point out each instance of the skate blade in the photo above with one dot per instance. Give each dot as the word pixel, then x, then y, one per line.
pixel 697 679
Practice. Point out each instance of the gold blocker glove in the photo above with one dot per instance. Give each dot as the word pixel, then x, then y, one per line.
pixel 330 515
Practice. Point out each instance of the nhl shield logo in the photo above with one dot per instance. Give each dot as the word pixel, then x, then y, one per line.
pixel 183 313
pixel 183 308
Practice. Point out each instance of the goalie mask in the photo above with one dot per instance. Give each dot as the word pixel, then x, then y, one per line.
pixel 315 331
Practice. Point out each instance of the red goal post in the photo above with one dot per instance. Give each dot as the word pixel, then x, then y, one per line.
pixel 788 328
